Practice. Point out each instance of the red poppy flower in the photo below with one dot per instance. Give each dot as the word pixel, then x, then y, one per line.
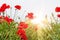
pixel 9 20
pixel 30 15
pixel 58 15
pixel 8 6
pixel 1 17
pixel 57 9
pixel 4 7
pixel 22 34
pixel 18 7
pixel 23 25
pixel 24 37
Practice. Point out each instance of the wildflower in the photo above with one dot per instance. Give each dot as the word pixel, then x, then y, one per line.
pixel 23 25
pixel 18 7
pixel 8 6
pixel 30 15
pixel 24 37
pixel 9 20
pixel 4 7
pixel 58 15
pixel 57 9
pixel 20 31
pixel 22 34
pixel 1 17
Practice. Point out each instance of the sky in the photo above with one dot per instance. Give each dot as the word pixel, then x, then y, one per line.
pixel 39 7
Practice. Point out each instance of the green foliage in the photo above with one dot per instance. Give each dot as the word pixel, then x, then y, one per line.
pixel 31 32
pixel 47 34
pixel 8 31
pixel 56 31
